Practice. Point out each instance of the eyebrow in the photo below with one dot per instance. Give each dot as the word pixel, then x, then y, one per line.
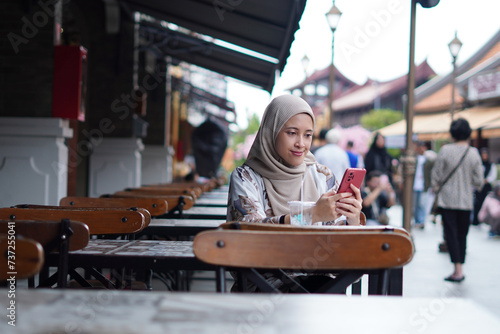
pixel 295 128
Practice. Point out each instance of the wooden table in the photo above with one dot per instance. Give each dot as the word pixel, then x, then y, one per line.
pixel 136 254
pixel 204 212
pixel 130 312
pixel 180 227
pixel 215 202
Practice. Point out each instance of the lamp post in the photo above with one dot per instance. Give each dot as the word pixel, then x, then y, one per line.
pixel 333 17
pixel 409 160
pixel 305 64
pixel 455 45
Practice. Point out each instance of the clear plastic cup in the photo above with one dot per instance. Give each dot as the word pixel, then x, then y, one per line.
pixel 301 212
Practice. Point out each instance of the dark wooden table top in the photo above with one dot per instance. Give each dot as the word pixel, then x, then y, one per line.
pixel 136 254
pixel 180 227
pixel 130 312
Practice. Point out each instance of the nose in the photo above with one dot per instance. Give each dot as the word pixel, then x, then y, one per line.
pixel 300 142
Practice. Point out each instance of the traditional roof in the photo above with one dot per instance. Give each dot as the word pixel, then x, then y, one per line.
pixel 366 94
pixel 435 95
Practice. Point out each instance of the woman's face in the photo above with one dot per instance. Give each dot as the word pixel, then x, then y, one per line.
pixel 294 139
pixel 380 141
pixel 484 155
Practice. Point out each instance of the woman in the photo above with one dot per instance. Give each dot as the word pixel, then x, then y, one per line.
pixel 490 211
pixel 490 175
pixel 377 157
pixel 278 165
pixel 456 196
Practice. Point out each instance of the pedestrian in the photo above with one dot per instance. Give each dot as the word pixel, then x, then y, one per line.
pixel 457 170
pixel 321 140
pixel 355 159
pixel 490 211
pixel 419 191
pixel 490 175
pixel 378 196
pixel 430 159
pixel 332 155
pixel 377 157
pixel 279 168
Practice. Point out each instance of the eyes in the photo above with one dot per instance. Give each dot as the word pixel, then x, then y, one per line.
pixel 293 133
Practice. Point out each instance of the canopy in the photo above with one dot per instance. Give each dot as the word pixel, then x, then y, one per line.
pixel 437 126
pixel 259 26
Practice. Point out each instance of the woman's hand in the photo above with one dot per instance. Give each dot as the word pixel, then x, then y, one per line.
pixel 351 206
pixel 331 206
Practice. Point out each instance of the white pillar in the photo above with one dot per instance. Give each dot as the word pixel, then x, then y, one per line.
pixel 115 164
pixel 33 160
pixel 157 164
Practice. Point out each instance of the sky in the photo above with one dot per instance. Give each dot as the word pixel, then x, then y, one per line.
pixel 372 41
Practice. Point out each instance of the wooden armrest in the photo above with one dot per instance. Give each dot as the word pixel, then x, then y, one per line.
pixel 155 206
pixel 158 192
pixel 99 220
pixel 28 258
pixel 311 250
pixel 45 231
pixel 172 200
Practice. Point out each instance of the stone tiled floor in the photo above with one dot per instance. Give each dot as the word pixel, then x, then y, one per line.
pixel 424 275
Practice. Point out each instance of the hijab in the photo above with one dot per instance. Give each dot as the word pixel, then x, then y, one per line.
pixel 282 182
pixel 486 163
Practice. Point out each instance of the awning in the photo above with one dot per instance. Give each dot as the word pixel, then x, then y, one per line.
pixel 262 26
pixel 437 126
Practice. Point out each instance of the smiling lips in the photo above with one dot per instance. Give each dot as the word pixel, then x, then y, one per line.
pixel 297 153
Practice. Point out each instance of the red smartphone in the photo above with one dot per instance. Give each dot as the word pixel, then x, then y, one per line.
pixel 353 176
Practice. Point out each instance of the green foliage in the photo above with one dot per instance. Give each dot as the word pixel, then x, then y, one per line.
pixel 253 127
pixel 239 138
pixel 377 119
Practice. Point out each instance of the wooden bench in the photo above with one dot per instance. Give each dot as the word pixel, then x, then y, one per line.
pixel 55 237
pixel 20 258
pixel 197 190
pixel 348 252
pixel 176 203
pixel 155 206
pixel 111 222
pixel 100 221
pixel 157 192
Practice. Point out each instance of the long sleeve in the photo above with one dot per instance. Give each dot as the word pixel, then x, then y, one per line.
pixel 457 193
pixel 492 175
pixel 247 199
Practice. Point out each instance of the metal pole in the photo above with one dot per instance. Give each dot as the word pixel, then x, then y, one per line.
pixel 331 86
pixel 452 108
pixel 409 160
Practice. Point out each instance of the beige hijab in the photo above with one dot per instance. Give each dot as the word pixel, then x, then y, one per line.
pixel 282 182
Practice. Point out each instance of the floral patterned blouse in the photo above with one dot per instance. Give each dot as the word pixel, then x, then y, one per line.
pixel 248 201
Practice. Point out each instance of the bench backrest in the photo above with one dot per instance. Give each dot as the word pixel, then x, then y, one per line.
pixel 237 225
pixel 172 200
pixel 158 192
pixel 173 187
pixel 98 220
pixel 29 258
pixel 155 206
pixel 300 250
pixel 46 231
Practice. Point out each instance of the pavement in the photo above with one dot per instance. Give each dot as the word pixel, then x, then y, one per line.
pixel 424 275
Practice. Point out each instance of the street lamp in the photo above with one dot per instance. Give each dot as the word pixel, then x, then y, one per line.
pixel 333 17
pixel 455 45
pixel 305 63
